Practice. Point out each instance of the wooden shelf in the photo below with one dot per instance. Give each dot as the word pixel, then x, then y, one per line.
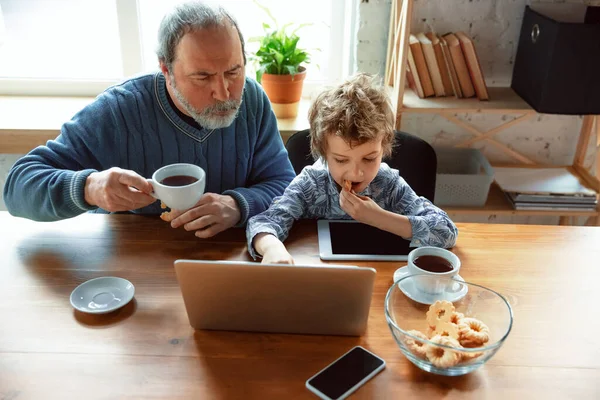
pixel 498 204
pixel 502 100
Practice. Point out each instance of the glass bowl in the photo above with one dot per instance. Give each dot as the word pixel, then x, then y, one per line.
pixel 405 315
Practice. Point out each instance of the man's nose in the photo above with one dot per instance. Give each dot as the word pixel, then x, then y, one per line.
pixel 220 88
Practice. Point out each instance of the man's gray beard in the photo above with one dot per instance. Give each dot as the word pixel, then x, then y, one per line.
pixel 205 118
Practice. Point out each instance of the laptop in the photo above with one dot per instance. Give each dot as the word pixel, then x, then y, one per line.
pixel 305 299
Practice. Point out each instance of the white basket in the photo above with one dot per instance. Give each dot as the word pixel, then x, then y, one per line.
pixel 463 177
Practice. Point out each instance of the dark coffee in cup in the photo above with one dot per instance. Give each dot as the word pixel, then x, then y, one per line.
pixel 433 264
pixel 178 180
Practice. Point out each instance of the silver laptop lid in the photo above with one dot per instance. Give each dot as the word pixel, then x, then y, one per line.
pixel 246 296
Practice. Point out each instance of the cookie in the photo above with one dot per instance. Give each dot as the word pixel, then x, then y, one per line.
pixel 347 185
pixel 416 347
pixel 473 332
pixel 442 357
pixel 445 329
pixel 440 311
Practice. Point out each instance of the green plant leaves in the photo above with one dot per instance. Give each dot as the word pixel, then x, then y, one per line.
pixel 278 53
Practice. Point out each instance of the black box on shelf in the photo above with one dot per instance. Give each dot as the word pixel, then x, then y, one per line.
pixel 557 67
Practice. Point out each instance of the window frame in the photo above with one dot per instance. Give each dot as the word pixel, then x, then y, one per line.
pixel 128 17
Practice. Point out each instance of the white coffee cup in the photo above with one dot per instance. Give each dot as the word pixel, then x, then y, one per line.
pixel 428 285
pixel 178 197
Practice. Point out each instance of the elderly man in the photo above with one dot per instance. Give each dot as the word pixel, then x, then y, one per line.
pixel 199 109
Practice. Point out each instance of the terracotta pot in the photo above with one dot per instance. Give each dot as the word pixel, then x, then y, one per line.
pixel 285 92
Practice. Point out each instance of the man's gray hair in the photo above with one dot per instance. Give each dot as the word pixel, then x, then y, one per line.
pixel 189 17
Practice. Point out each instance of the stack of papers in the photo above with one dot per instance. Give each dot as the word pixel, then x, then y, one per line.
pixel 545 189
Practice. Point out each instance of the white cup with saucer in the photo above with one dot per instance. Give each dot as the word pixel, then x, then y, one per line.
pixel 432 262
pixel 179 186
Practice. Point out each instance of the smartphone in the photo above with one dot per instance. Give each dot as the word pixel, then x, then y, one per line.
pixel 346 374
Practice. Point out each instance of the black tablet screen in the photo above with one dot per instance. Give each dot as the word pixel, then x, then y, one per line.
pixel 357 238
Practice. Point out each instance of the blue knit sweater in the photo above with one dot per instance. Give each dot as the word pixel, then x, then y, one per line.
pixel 133 126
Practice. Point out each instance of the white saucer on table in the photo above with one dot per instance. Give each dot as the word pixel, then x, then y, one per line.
pixel 407 287
pixel 102 295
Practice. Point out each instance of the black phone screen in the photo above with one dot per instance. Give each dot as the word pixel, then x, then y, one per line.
pixel 345 373
pixel 357 238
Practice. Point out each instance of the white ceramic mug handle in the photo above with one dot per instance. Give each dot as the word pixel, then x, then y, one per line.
pixel 455 284
pixel 153 194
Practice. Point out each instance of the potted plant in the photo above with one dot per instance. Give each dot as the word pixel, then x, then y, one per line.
pixel 279 67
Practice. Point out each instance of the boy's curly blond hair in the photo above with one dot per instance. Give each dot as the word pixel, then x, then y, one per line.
pixel 359 110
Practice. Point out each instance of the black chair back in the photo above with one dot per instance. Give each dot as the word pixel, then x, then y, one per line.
pixel 413 157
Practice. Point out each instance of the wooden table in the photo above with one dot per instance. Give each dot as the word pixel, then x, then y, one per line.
pixel 148 350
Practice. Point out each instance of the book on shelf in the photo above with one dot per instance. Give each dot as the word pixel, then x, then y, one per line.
pixel 420 66
pixel 432 64
pixel 450 68
pixel 412 77
pixel 458 59
pixel 441 62
pixel 552 207
pixel 551 202
pixel 473 65
pixel 413 80
pixel 552 188
pixel 552 198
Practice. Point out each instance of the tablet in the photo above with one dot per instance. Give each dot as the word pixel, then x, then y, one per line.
pixel 351 240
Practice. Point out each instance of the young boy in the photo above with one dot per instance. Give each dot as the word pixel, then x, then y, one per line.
pixel 352 128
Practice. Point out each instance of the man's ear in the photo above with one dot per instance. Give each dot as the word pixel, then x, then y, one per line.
pixel 165 71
